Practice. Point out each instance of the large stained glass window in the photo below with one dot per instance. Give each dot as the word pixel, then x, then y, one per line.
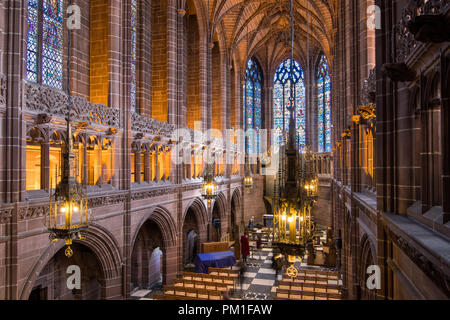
pixel 45 42
pixel 133 54
pixel 252 105
pixel 282 99
pixel 324 106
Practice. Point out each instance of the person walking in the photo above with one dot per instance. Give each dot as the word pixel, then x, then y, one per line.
pixel 245 247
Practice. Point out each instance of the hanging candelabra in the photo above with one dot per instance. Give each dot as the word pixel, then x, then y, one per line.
pixel 295 188
pixel 248 178
pixel 68 213
pixel 209 187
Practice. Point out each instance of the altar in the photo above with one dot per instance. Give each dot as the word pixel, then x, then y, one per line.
pixel 214 259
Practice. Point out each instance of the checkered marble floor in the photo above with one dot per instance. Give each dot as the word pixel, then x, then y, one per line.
pixel 259 279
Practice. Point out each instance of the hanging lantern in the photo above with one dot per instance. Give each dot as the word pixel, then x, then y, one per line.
pixel 248 179
pixel 209 188
pixel 68 214
pixel 248 183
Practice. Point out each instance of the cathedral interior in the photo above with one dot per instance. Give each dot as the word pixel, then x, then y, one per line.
pixel 303 146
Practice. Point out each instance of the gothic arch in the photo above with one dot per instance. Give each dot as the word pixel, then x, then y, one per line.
pixel 367 258
pixel 100 241
pixel 163 220
pixel 199 209
pixel 221 203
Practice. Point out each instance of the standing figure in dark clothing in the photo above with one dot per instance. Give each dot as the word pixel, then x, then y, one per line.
pixel 277 263
pixel 245 247
pixel 259 244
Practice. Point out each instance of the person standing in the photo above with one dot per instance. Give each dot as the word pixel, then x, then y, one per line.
pixel 259 244
pixel 245 247
pixel 250 224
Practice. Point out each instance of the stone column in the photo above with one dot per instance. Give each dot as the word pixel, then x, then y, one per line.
pixel 137 166
pixel 46 175
pixel 147 166
pixel 157 173
pixel 445 138
pixel 172 62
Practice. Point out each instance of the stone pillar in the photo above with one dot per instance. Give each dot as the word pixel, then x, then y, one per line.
pixel 147 166
pixel 84 172
pixel 137 166
pixel 46 175
pixel 157 173
pixel 445 137
pixel 172 110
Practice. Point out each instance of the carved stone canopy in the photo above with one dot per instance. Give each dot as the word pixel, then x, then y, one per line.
pixel 430 28
pixel 43 118
pixel 398 72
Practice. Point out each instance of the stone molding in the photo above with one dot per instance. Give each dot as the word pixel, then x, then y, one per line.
pixel 47 100
pixel 438 276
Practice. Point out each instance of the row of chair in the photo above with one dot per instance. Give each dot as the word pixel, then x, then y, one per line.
pixel 212 278
pixel 285 294
pixel 225 272
pixel 311 287
pixel 194 293
pixel 183 283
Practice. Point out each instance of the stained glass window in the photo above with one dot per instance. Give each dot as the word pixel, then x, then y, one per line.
pixel 45 42
pixel 282 99
pixel 252 105
pixel 324 106
pixel 133 54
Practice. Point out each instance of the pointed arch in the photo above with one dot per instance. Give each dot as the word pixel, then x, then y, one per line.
pixel 252 102
pixel 103 245
pixel 282 98
pixel 323 105
pixel 163 220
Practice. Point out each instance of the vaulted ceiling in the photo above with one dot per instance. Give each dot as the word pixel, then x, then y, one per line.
pixel 262 27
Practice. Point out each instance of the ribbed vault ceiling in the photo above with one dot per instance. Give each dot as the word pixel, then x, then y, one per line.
pixel 262 27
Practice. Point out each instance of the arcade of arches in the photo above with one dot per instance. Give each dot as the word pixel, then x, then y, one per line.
pixel 371 95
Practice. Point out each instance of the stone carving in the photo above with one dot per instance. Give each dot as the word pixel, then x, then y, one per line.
pixel 438 276
pixel 369 88
pixel 33 212
pixel 152 193
pixel 5 215
pixel 105 201
pixel 151 126
pixel 54 102
pixel 427 21
pixel 191 187
pixel 2 90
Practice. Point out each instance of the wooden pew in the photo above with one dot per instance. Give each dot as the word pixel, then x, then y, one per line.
pixel 229 281
pixel 224 272
pixel 297 286
pixel 193 293
pixel 200 285
pixel 286 294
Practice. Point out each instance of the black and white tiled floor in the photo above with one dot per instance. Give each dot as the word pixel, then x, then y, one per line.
pixel 259 279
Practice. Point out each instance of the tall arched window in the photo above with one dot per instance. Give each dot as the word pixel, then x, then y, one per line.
pixel 281 100
pixel 323 106
pixel 252 103
pixel 133 55
pixel 45 42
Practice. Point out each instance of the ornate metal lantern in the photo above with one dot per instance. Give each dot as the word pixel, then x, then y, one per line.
pixel 68 214
pixel 295 191
pixel 248 178
pixel 209 188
